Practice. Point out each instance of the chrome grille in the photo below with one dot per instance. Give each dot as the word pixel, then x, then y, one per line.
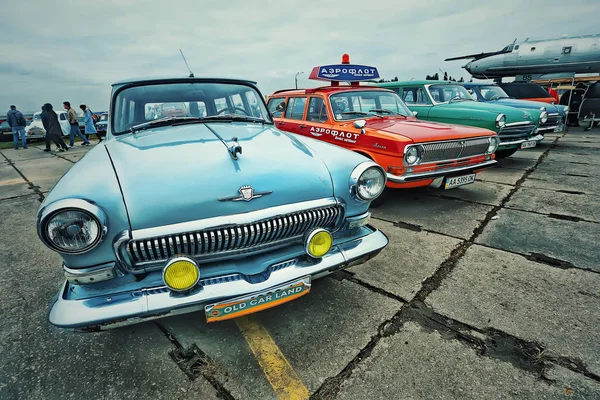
pixel 553 121
pixel 445 151
pixel 233 239
pixel 511 132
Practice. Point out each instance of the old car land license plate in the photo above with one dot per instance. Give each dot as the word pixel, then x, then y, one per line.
pixel 258 301
pixel 459 181
pixel 529 144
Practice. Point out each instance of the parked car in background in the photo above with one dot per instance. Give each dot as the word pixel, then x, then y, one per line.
pixel 36 128
pixel 245 217
pixel 375 122
pixel 449 102
pixel 101 125
pixel 527 91
pixel 491 93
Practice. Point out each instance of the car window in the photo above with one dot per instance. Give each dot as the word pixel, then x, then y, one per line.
pixel 415 96
pixel 317 112
pixel 359 104
pixel 63 117
pixel 295 109
pixel 272 105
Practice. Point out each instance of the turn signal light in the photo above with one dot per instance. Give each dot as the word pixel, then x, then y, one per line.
pixel 181 274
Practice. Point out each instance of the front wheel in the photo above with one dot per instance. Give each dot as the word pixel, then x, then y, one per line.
pixel 505 153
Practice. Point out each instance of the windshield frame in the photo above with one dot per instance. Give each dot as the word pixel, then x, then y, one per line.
pixel 371 114
pixel 427 87
pixel 168 81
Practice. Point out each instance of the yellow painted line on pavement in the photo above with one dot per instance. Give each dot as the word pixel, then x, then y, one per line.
pixel 277 369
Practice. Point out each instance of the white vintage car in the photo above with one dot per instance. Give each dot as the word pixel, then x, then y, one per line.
pixel 36 128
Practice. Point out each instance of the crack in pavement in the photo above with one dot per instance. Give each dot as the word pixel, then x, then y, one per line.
pixel 332 385
pixel 33 187
pixel 195 363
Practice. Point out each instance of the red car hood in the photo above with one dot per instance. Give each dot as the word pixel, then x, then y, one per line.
pixel 425 131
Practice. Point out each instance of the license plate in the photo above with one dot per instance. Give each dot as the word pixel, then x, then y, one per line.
pixel 258 301
pixel 528 145
pixel 459 181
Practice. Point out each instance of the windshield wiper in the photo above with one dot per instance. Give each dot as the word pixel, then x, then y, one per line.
pixel 163 122
pixel 460 99
pixel 234 117
pixel 384 111
pixel 361 113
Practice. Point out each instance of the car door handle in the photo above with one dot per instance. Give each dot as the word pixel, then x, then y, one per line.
pixel 302 126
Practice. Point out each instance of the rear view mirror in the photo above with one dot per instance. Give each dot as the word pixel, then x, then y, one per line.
pixel 280 107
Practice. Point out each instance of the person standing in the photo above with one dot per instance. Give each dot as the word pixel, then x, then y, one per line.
pixel 90 128
pixel 52 127
pixel 17 122
pixel 74 125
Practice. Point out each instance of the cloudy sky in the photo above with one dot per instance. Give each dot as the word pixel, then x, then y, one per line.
pixel 74 50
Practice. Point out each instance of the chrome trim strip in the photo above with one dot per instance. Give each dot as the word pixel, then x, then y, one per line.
pixel 519 141
pixel 229 220
pixel 434 174
pixel 90 275
pixel 105 312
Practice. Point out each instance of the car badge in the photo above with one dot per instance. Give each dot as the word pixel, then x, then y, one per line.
pixel 246 194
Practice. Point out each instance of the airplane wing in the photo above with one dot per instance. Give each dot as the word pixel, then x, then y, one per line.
pixel 477 56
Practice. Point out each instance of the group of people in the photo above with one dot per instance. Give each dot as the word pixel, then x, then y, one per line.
pixel 52 126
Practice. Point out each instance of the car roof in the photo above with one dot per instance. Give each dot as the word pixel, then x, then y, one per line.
pixel 324 89
pixel 179 79
pixel 422 82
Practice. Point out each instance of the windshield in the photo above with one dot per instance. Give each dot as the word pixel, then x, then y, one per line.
pixel 103 117
pixel 445 93
pixel 356 105
pixel 141 104
pixel 492 92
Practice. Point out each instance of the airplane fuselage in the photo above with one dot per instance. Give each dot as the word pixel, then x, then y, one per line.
pixel 570 54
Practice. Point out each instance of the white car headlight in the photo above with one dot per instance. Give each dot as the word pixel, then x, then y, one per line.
pixel 500 121
pixel 72 226
pixel 413 155
pixel 367 181
pixel 494 142
pixel 543 117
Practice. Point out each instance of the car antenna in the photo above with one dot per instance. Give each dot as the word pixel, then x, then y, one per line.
pixel 186 64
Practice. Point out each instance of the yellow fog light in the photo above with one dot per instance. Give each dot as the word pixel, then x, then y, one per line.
pixel 318 243
pixel 181 273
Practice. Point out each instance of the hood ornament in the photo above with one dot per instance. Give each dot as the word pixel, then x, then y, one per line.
pixel 246 194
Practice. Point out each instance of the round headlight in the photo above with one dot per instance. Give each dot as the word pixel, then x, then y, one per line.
pixel 318 243
pixel 370 184
pixel 71 226
pixel 181 274
pixel 413 155
pixel 72 231
pixel 367 181
pixel 543 117
pixel 494 142
pixel 500 121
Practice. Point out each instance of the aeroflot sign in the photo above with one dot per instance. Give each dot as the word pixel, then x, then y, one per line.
pixel 344 73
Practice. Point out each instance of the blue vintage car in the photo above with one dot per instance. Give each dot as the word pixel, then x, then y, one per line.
pixel 490 93
pixel 210 208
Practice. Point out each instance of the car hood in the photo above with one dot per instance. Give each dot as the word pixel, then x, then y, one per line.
pixel 512 114
pixel 423 131
pixel 178 173
pixel 534 105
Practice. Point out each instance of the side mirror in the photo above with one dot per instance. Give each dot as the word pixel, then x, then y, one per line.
pixel 415 113
pixel 280 106
pixel 360 124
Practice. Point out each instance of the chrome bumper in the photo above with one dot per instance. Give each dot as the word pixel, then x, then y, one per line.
pixel 537 138
pixel 436 174
pixel 130 307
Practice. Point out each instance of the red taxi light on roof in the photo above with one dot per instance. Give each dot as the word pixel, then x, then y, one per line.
pixel 344 72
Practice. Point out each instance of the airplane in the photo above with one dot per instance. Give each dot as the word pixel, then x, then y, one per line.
pixel 537 59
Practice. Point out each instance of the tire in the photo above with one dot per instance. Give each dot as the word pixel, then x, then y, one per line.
pixel 505 153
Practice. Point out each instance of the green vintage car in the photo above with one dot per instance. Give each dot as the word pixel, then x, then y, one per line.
pixel 450 103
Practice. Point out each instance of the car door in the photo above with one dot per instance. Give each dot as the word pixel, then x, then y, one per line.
pixel 293 116
pixel 317 123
